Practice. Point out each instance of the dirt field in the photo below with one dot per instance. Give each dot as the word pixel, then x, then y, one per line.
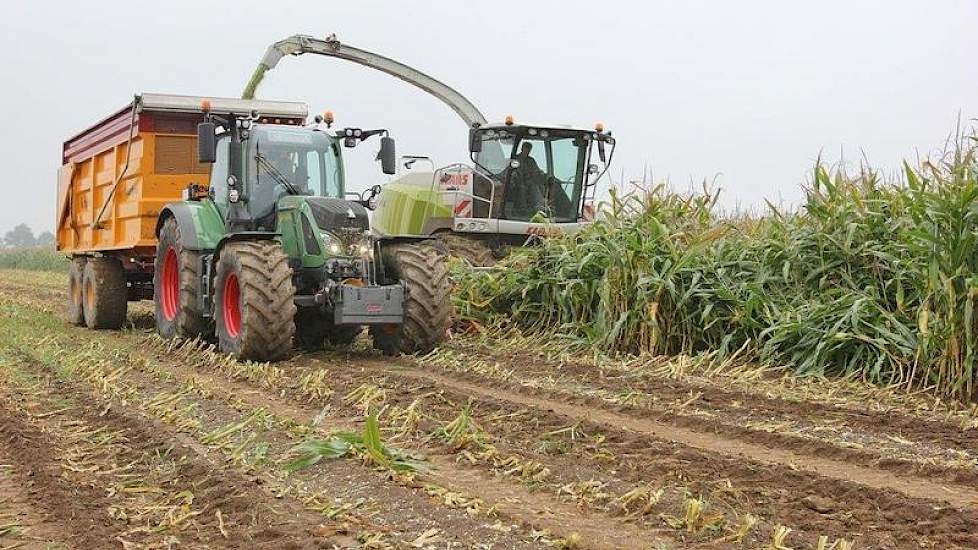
pixel 121 440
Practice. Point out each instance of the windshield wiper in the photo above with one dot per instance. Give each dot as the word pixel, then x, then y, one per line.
pixel 271 169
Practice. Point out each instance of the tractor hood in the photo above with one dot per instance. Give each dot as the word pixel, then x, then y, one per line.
pixel 334 214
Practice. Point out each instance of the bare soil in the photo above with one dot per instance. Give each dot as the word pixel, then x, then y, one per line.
pixel 523 449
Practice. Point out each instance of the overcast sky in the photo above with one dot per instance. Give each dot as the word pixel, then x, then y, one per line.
pixel 745 93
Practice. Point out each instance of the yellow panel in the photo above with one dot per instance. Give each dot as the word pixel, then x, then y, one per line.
pixel 160 167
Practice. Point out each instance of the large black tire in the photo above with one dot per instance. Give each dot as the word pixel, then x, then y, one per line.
pixel 474 251
pixel 105 293
pixel 76 298
pixel 177 287
pixel 253 301
pixel 423 268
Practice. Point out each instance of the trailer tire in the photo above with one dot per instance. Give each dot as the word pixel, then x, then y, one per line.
pixel 254 307
pixel 105 293
pixel 423 268
pixel 76 298
pixel 177 287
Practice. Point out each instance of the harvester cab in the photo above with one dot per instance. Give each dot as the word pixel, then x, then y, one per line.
pixel 526 181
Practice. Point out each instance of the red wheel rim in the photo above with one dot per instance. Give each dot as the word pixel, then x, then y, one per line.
pixel 231 306
pixel 170 289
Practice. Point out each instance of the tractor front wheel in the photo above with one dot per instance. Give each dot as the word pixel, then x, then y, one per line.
pixel 423 268
pixel 253 301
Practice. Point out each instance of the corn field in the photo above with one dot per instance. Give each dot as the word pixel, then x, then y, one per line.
pixel 870 277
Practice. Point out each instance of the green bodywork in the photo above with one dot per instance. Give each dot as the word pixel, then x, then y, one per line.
pixel 290 212
pixel 202 227
pixel 407 210
pixel 201 223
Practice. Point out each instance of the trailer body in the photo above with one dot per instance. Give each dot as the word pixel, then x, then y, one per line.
pixel 117 175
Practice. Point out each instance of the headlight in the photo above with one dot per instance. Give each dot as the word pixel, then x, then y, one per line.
pixel 333 245
pixel 362 248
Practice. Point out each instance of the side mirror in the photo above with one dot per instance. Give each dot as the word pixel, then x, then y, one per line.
pixel 475 141
pixel 369 197
pixel 206 143
pixel 387 156
pixel 601 153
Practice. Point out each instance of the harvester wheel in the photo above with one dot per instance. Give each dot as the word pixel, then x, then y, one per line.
pixel 104 293
pixel 474 251
pixel 253 301
pixel 176 287
pixel 76 308
pixel 423 268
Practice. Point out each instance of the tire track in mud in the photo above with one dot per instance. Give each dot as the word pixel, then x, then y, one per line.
pixel 902 513
pixel 795 430
pixel 733 400
pixel 536 511
pixel 417 508
pixel 78 510
pixel 346 471
pixel 141 455
pixel 961 496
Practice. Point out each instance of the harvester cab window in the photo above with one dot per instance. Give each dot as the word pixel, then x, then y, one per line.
pixel 546 179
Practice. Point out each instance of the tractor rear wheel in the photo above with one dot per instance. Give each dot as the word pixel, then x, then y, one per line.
pixel 105 293
pixel 76 308
pixel 423 268
pixel 253 301
pixel 176 287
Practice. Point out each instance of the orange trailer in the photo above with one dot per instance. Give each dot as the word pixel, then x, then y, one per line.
pixel 115 178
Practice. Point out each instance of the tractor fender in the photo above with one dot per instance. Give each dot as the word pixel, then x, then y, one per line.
pixel 242 236
pixel 201 225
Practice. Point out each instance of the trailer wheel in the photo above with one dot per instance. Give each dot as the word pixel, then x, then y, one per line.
pixel 105 293
pixel 423 268
pixel 76 308
pixel 176 287
pixel 254 308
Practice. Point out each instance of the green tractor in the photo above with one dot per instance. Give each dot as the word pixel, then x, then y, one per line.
pixel 274 250
pixel 525 182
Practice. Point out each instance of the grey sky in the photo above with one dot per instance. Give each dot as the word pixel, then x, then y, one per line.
pixel 748 92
